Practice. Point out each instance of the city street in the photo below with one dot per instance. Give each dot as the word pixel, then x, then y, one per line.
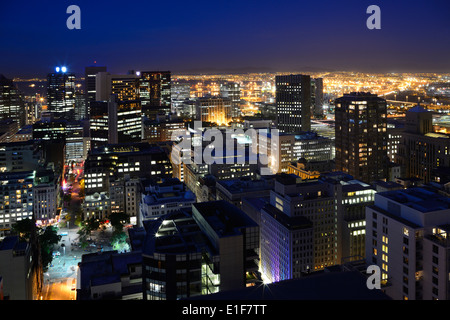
pixel 60 280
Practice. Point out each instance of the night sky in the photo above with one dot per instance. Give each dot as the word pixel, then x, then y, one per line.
pixel 233 35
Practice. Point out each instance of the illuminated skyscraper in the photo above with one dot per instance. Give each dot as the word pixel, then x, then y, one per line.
pixel 124 111
pixel 11 104
pixel 232 91
pixel 317 97
pixel 214 109
pixel 361 136
pixel 90 84
pixel 293 100
pixel 154 89
pixel 61 93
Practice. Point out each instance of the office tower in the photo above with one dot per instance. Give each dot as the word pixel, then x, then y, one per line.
pixel 288 249
pixel 124 120
pixel 125 87
pixel 407 237
pixel 161 197
pixel 232 91
pixel 325 214
pixel 110 162
pixel 180 92
pixel 77 142
pixel 161 129
pixel 213 248
pixel 289 147
pixel 121 92
pixel 421 150
pixel 46 192
pixel 317 97
pixel 155 93
pixel 352 197
pixel 24 134
pixel 293 103
pixel 8 128
pixel 16 198
pixel 394 137
pixel 80 106
pixel 110 275
pixel 234 190
pixel 12 105
pixel 90 85
pixel 98 123
pixel 124 196
pixel 215 110
pixel 361 137
pixel 61 93
pixel 20 156
pixel 49 128
pixel 314 201
pixel 17 268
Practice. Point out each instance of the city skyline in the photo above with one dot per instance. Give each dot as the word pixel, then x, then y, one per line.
pixel 230 37
pixel 182 151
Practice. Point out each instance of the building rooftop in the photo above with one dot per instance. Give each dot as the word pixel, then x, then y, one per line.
pixel 173 233
pixel 245 185
pixel 105 268
pixel 291 223
pixel 348 285
pixel 225 218
pixel 419 198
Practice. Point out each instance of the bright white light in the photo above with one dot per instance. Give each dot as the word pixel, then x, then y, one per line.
pixel 57 69
pixel 63 69
pixel 138 73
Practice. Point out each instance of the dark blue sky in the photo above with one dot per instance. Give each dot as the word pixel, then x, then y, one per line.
pixel 197 35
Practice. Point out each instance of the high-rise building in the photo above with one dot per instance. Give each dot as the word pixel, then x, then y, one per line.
pixel 213 248
pixel 16 198
pixel 98 123
pixel 90 86
pixel 155 93
pixel 18 269
pixel 161 197
pixel 214 109
pixel 293 103
pixel 61 93
pixel 124 110
pixel 124 86
pixel 20 156
pixel 232 91
pixel 361 137
pixel 12 105
pixel 317 97
pixel 124 120
pixel 46 192
pixel 421 150
pixel 110 162
pixel 407 237
pixel 309 225
pixel 285 148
